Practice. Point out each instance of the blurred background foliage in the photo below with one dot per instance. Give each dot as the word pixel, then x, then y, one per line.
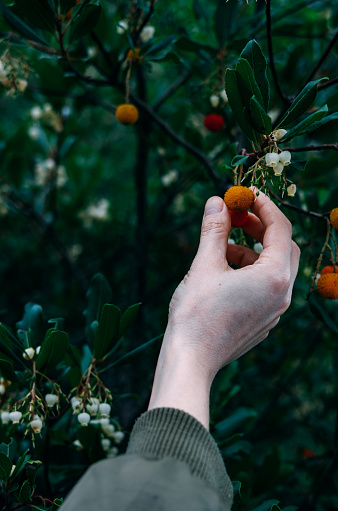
pixel 82 194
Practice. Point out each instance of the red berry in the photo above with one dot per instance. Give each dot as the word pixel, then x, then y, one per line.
pixel 214 122
pixel 238 218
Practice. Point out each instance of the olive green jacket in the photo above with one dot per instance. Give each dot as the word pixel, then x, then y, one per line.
pixel 172 463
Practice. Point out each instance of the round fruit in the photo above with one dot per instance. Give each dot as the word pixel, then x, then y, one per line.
pixel 334 218
pixel 239 198
pixel 329 269
pixel 327 286
pixel 126 114
pixel 214 122
pixel 238 218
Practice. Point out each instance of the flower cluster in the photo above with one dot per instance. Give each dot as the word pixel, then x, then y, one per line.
pixel 13 73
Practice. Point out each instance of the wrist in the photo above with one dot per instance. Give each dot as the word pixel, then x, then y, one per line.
pixel 180 382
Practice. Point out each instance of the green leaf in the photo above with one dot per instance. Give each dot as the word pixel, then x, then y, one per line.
pixel 6 367
pixel 298 165
pixel 267 505
pixel 5 338
pixel 318 124
pixel 32 467
pixel 85 21
pixel 66 5
pixel 53 350
pixel 25 493
pixel 108 330
pixel 98 294
pixel 317 307
pixel 158 47
pixel 254 55
pixel 128 318
pixel 21 463
pixel 5 467
pixel 239 159
pixel 301 104
pixel 235 101
pixel 38 12
pixel 19 25
pixel 9 449
pixel 32 323
pixel 225 19
pixel 237 420
pixel 259 117
pixel 301 127
pixel 247 84
pixel 144 349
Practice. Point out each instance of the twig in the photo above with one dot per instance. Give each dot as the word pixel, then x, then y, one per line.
pixel 299 210
pixel 270 49
pixel 328 84
pixel 171 90
pixel 145 21
pixel 322 147
pixel 321 60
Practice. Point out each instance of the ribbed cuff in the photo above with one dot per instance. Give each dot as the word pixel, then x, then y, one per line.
pixel 170 432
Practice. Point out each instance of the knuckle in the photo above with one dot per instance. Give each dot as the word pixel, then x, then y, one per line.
pixel 280 282
pixel 212 226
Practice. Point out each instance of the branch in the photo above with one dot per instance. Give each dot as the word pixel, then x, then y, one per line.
pixel 145 21
pixel 270 49
pixel 299 210
pixel 321 60
pixel 322 147
pixel 328 84
pixel 171 90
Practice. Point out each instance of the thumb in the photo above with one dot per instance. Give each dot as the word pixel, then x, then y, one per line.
pixel 214 234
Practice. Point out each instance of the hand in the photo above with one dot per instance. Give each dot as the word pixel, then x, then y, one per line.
pixel 217 313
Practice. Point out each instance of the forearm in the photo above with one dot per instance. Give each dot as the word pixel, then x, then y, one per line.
pixel 180 382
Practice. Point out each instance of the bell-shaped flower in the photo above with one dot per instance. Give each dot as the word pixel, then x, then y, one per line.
pixel 271 159
pixel 285 158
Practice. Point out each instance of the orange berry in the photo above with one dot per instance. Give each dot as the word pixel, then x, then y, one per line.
pixel 334 218
pixel 134 55
pixel 126 114
pixel 238 218
pixel 329 269
pixel 239 198
pixel 214 122
pixel 327 286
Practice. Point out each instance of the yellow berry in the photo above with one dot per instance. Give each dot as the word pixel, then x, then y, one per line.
pixel 327 286
pixel 126 114
pixel 134 55
pixel 239 198
pixel 334 218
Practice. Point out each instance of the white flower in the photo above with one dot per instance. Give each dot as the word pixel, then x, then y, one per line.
pixel 104 409
pixel 93 406
pixel 118 436
pixel 15 417
pixel 278 169
pixel 76 404
pixel 214 100
pixel 122 27
pixel 34 132
pixel 47 108
pixel 231 241
pixel 105 442
pixel 38 348
pixel 92 52
pixel 169 178
pixel 271 159
pixel 36 425
pixel 61 178
pixel 5 417
pixel 2 390
pixel 51 400
pixel 285 158
pixel 224 96
pixel 147 33
pixel 3 71
pixel 104 421
pixel 49 164
pixel 78 445
pixel 108 429
pixel 258 247
pixel 29 353
pixel 291 190
pixel 83 418
pixel 22 85
pixel 278 134
pixel 36 113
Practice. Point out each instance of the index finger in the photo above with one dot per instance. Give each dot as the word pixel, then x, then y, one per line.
pixel 277 232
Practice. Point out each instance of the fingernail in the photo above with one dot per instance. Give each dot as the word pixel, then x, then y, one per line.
pixel 214 205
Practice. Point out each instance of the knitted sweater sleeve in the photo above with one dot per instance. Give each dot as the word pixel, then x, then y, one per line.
pixel 172 463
